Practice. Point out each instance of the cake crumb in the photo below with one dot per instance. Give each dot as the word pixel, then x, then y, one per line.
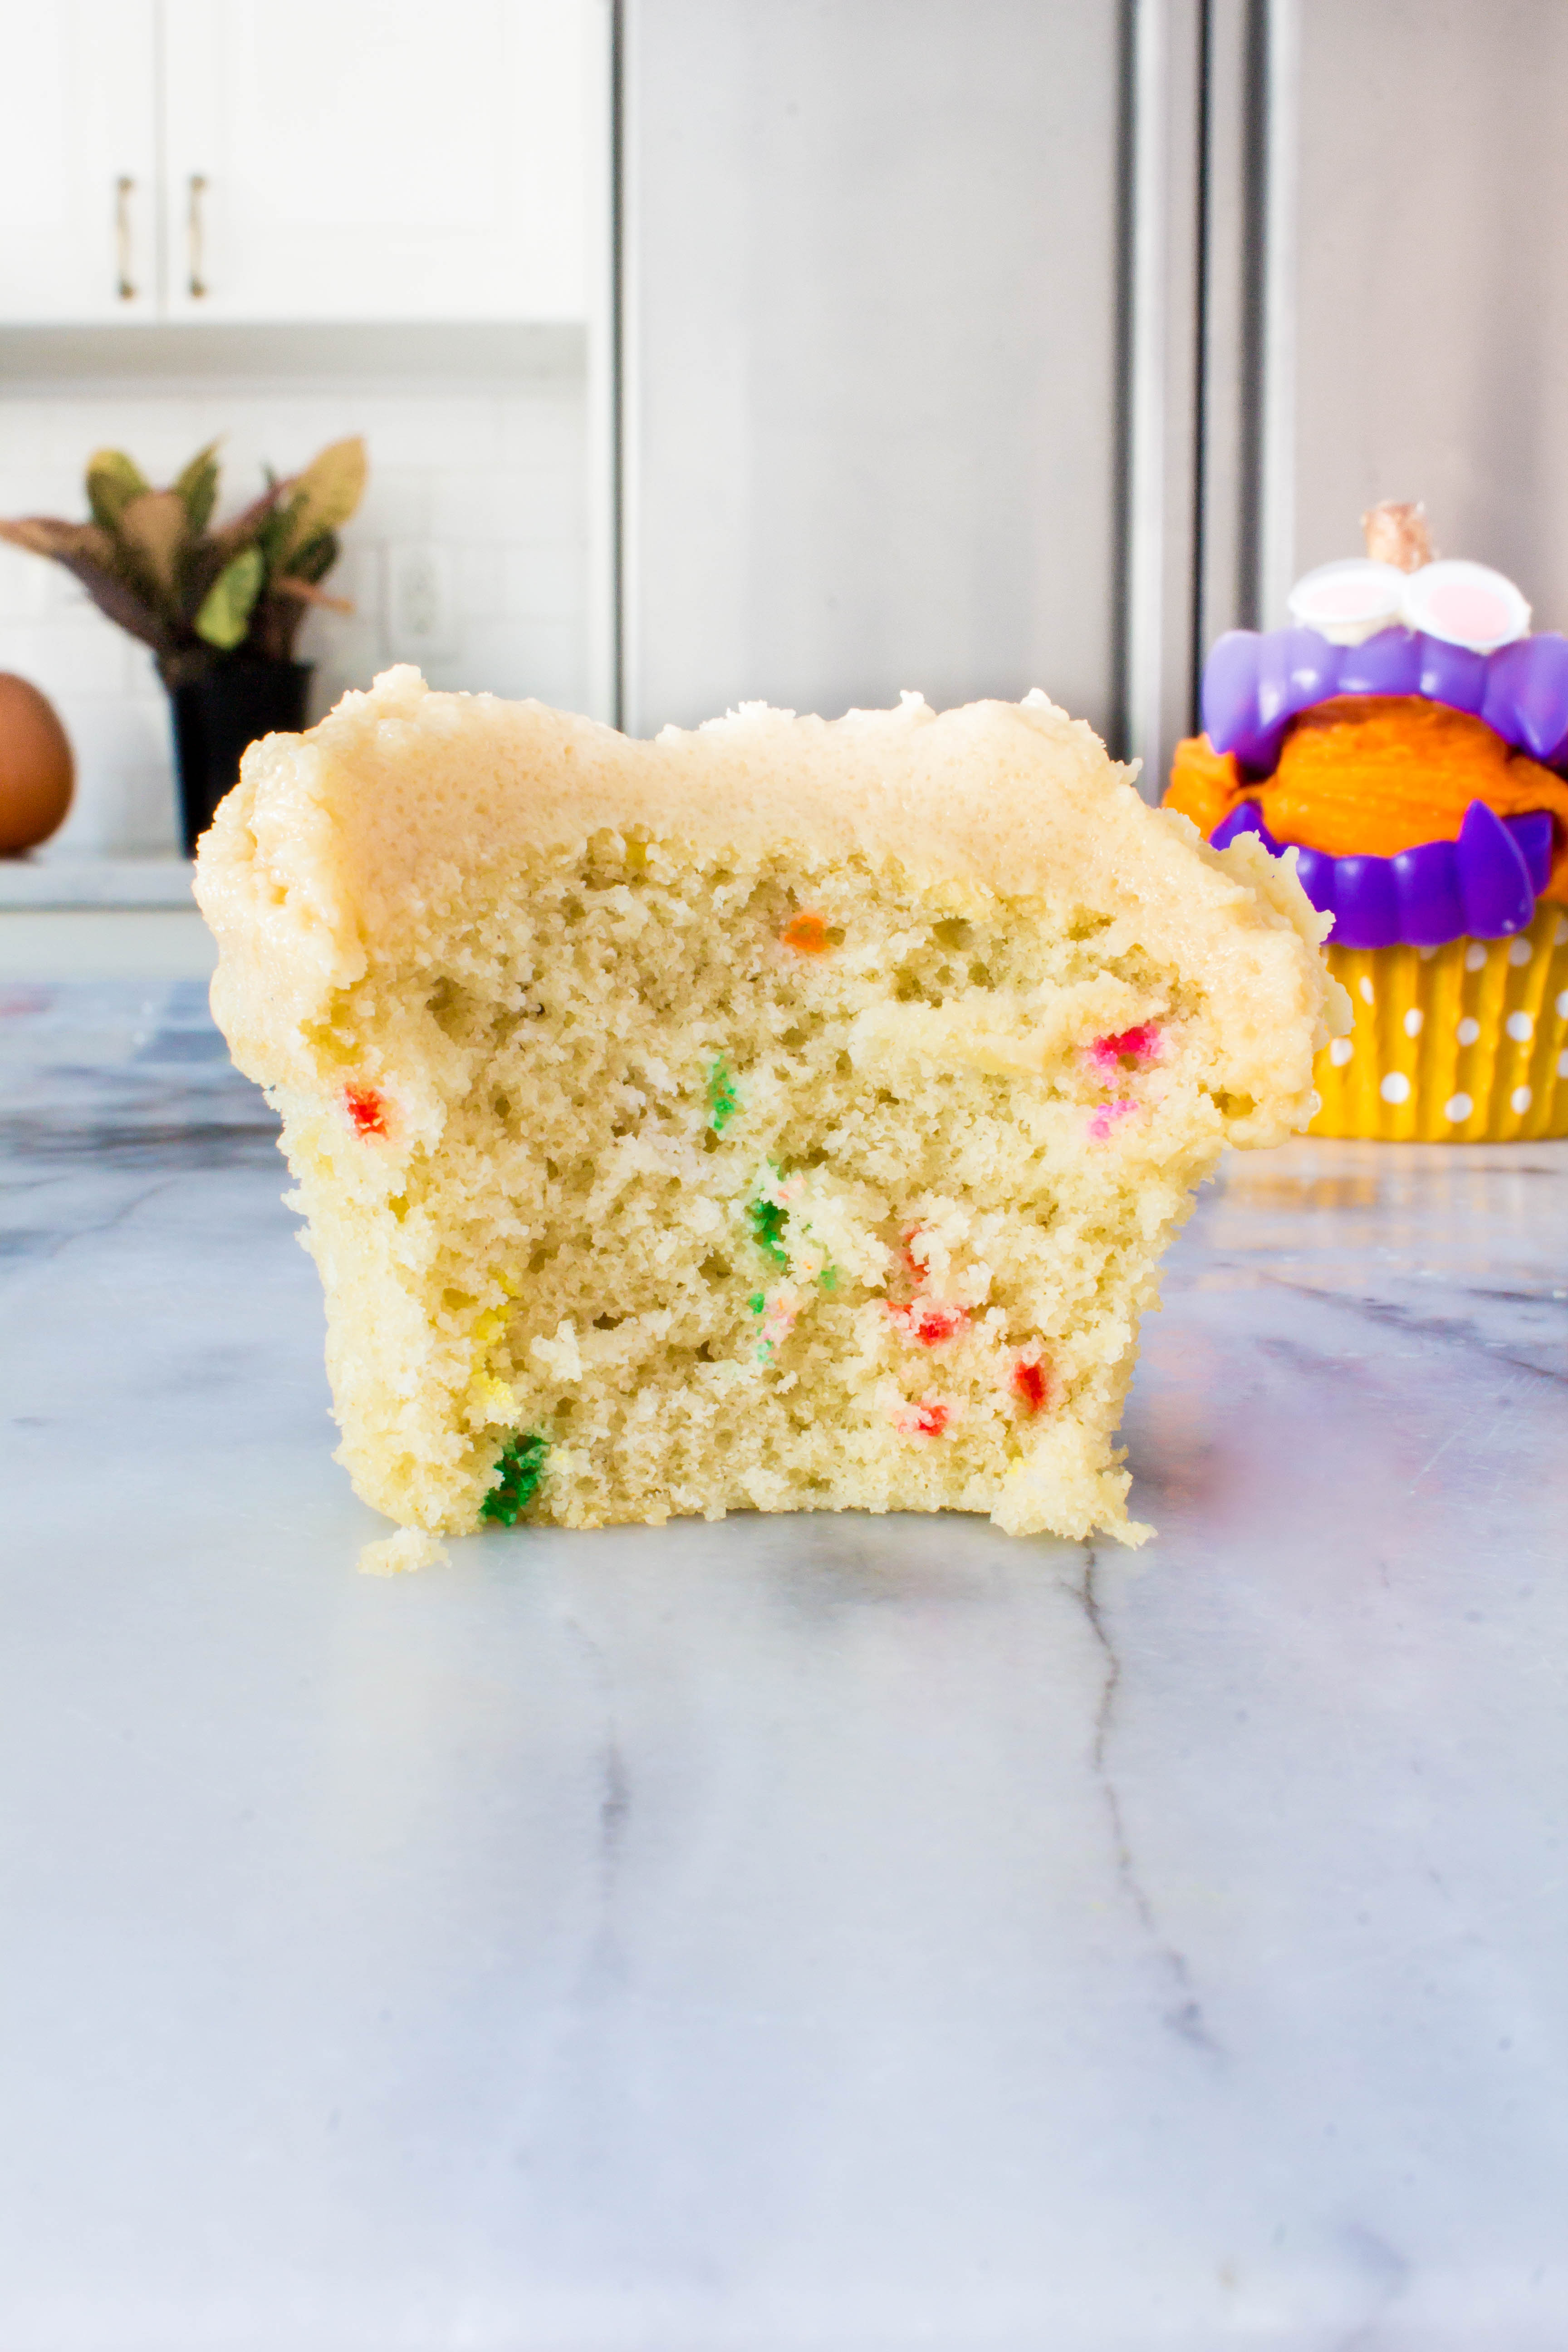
pixel 399 1555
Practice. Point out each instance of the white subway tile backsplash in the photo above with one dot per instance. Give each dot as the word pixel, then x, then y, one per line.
pixel 396 503
pixel 538 436
pixel 494 504
pixel 75 655
pixel 124 800
pixel 492 480
pixel 543 658
pixel 542 583
pixel 481 581
pixel 24 584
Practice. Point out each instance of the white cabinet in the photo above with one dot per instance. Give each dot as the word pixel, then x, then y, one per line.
pixel 375 159
pixel 313 159
pixel 79 161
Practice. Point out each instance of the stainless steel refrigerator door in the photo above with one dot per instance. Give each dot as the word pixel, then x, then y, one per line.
pixel 871 287
pixel 1429 317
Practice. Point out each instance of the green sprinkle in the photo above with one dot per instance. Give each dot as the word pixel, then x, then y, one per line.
pixel 767 1222
pixel 723 1102
pixel 521 1467
pixel 757 1301
pixel 828 1277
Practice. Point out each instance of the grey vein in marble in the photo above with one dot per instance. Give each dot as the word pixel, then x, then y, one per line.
pixel 822 1933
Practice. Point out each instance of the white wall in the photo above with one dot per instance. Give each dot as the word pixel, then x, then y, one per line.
pixel 493 474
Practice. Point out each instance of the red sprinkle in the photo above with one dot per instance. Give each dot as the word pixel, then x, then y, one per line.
pixel 928 1418
pixel 1031 1384
pixel 1140 1044
pixel 807 934
pixel 366 1109
pixel 927 1323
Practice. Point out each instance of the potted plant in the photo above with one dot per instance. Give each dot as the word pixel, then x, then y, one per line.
pixel 219 607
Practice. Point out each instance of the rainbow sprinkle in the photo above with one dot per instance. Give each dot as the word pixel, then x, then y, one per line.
pixel 1109 1055
pixel 807 934
pixel 1105 1119
pixel 521 1467
pixel 778 1322
pixel 927 1418
pixel 766 1219
pixel 927 1323
pixel 723 1102
pixel 366 1109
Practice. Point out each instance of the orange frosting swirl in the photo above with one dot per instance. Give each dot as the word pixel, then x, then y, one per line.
pixel 1368 775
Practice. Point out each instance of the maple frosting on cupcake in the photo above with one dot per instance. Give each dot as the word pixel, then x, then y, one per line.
pixel 1406 735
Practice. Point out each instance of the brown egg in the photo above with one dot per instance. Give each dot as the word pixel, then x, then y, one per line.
pixel 37 770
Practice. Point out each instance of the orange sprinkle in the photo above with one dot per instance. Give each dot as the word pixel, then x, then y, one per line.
pixel 807 934
pixel 366 1109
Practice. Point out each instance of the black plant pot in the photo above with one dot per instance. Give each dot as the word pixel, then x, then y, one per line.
pixel 215 717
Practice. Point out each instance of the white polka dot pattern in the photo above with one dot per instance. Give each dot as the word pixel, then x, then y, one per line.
pixel 1469 1041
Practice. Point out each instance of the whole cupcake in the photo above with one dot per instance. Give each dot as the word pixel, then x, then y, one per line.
pixel 1406 735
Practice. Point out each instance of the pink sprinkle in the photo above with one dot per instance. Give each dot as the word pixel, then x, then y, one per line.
pixel 1105 1118
pixel 928 1418
pixel 1141 1044
pixel 927 1323
pixel 778 1322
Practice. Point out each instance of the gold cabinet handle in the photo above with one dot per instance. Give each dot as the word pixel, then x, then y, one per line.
pixel 124 284
pixel 195 234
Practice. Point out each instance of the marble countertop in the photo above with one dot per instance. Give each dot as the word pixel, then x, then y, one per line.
pixel 837 1934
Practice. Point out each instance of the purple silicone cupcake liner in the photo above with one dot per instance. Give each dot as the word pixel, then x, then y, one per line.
pixel 1484 885
pixel 1253 684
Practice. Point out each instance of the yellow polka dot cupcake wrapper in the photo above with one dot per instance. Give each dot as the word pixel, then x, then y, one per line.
pixel 1461 1044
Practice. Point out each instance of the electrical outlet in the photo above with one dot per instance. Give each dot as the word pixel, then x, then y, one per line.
pixel 421 602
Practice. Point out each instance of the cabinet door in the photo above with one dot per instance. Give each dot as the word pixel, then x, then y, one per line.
pixel 77 191
pixel 376 159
